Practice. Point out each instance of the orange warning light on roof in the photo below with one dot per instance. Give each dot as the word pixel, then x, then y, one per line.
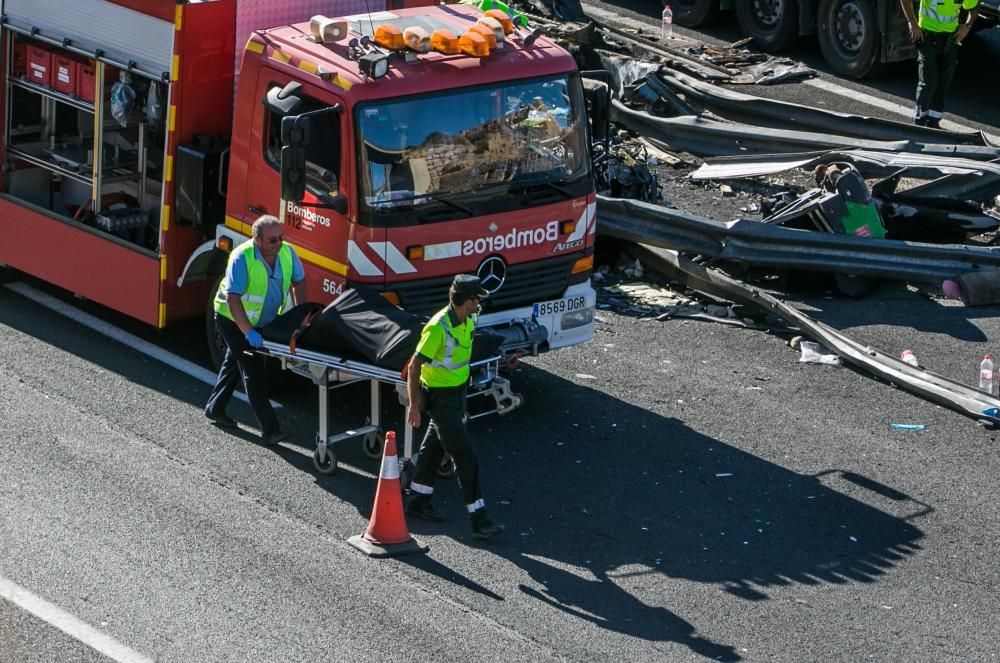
pixel 474 44
pixel 494 26
pixel 502 18
pixel 445 41
pixel 487 34
pixel 389 36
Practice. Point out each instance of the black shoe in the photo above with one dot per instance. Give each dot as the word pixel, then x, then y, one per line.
pixel 274 438
pixel 483 527
pixel 222 420
pixel 422 507
pixel 920 121
pixel 934 123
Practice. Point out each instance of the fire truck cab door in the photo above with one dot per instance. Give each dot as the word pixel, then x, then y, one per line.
pixel 319 233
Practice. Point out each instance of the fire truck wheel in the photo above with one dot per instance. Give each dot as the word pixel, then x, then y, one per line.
pixel 216 346
pixel 328 465
pixel 447 469
pixel 7 274
pixel 372 444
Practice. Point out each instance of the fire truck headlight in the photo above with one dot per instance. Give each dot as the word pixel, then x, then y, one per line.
pixel 374 65
pixel 577 318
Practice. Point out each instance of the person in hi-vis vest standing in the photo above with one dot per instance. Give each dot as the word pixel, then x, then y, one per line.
pixel 259 276
pixel 436 383
pixel 937 34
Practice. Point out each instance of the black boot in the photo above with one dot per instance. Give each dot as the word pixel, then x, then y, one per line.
pixel 483 527
pixel 422 507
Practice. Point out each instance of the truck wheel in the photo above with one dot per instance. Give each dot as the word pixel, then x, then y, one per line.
pixel 695 13
pixel 773 24
pixel 7 273
pixel 216 346
pixel 849 36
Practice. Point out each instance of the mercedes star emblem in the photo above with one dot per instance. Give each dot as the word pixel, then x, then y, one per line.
pixel 492 273
pixel 494 227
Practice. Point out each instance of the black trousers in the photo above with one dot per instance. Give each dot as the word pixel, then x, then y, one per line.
pixel 242 362
pixel 937 55
pixel 446 432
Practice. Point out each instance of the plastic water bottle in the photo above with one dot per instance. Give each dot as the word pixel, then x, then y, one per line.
pixel 667 26
pixel 986 375
pixel 908 357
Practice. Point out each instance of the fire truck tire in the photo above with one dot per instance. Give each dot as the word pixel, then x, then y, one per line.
pixel 773 24
pixel 216 346
pixel 7 273
pixel 371 443
pixel 328 465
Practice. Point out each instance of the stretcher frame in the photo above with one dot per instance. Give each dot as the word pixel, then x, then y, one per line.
pixel 330 372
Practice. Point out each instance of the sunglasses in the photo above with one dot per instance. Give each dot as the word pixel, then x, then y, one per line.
pixel 278 239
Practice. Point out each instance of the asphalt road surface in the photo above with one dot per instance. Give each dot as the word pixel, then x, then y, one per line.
pixel 672 491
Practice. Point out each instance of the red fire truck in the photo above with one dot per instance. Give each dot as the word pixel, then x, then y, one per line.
pixel 399 143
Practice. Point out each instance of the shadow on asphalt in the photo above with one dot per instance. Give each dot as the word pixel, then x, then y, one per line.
pixel 613 493
pixel 618 493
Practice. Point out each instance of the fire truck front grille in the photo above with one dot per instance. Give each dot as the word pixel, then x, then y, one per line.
pixel 526 284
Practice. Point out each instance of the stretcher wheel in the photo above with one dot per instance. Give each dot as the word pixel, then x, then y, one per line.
pixel 447 469
pixel 372 444
pixel 330 464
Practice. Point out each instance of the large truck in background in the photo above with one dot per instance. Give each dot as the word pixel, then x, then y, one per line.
pixel 855 36
pixel 399 142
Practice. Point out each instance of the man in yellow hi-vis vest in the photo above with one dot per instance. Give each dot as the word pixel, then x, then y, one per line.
pixel 259 276
pixel 937 34
pixel 436 383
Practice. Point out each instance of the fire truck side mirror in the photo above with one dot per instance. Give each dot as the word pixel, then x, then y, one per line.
pixel 284 101
pixel 294 139
pixel 598 96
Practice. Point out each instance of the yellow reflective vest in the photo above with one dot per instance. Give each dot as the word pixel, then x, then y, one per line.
pixel 253 298
pixel 942 15
pixel 449 350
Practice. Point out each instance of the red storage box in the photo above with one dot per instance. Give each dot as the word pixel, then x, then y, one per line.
pixel 86 80
pixel 64 73
pixel 19 67
pixel 39 65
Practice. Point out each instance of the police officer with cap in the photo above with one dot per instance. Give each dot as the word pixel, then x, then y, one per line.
pixel 436 384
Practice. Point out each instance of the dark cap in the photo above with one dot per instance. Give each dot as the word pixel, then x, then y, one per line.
pixel 468 285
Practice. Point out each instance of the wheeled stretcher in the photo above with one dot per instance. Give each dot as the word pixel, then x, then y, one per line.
pixel 330 372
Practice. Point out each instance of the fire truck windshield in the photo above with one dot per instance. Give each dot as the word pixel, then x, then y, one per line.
pixel 465 152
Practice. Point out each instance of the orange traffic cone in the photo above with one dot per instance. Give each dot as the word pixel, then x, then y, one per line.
pixel 387 534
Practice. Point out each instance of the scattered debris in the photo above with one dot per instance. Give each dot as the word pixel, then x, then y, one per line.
pixel 908 426
pixel 726 190
pixel 814 353
pixel 771 72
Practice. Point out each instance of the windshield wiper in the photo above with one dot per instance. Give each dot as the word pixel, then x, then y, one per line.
pixel 440 197
pixel 530 187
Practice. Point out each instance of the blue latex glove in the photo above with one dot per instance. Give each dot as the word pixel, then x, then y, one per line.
pixel 254 339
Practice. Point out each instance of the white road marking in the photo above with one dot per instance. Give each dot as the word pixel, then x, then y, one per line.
pixel 69 624
pixel 818 83
pixel 114 333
